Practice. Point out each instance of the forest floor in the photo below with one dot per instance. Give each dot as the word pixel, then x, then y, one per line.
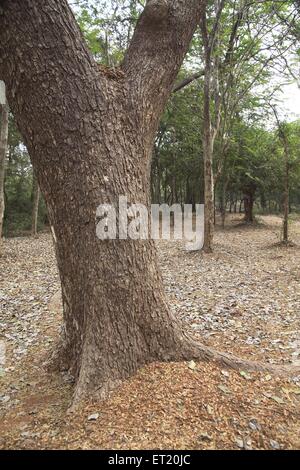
pixel 244 299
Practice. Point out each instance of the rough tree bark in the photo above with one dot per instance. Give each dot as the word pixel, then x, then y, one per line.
pixel 3 149
pixel 89 132
pixel 35 205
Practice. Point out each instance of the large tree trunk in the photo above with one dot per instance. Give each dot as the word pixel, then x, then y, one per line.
pixel 3 149
pixel 90 132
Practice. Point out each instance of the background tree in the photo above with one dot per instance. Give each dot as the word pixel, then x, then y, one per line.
pixel 18 192
pixel 3 149
pixel 35 205
pixel 239 53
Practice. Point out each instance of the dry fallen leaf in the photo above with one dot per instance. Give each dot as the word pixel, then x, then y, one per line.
pixel 93 417
pixel 192 365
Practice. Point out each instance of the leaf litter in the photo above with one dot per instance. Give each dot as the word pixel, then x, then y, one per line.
pixel 244 298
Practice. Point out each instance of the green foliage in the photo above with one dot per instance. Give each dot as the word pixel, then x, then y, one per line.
pixel 107 26
pixel 177 160
pixel 18 187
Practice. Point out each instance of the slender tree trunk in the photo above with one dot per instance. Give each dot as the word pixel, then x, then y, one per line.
pixel 214 204
pixel 35 205
pixel 286 198
pixel 3 150
pixel 223 201
pixel 263 201
pixel 241 206
pixel 208 146
pixel 235 206
pixel 173 190
pixel 208 150
pixel 208 198
pixel 210 126
pixel 283 137
pixel 158 184
pixel 248 203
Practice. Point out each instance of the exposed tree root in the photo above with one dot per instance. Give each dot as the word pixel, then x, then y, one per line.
pixel 199 351
pixel 99 382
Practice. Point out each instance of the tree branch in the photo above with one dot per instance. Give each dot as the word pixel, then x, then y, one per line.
pixel 187 81
pixel 233 35
pixel 154 57
pixel 215 30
